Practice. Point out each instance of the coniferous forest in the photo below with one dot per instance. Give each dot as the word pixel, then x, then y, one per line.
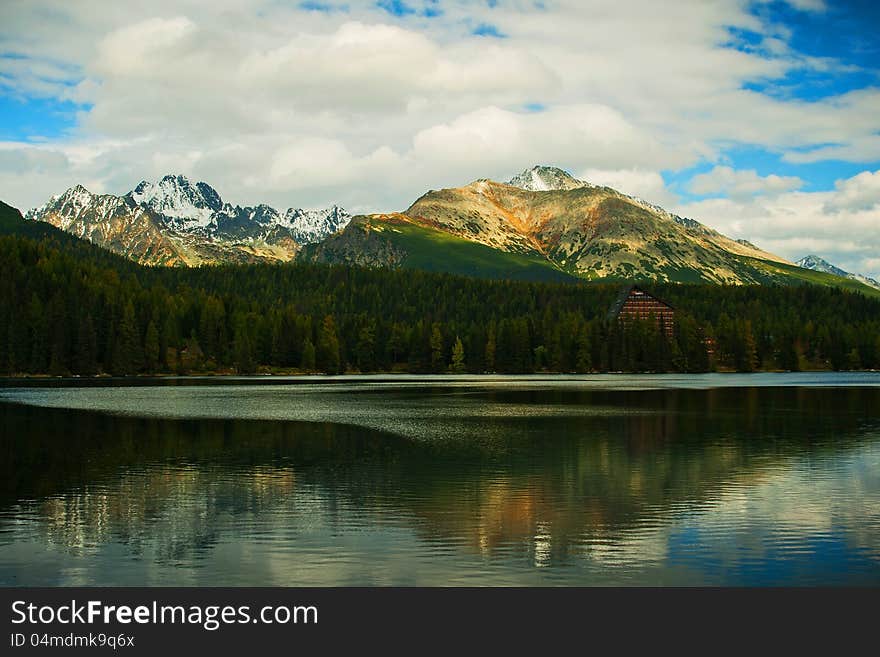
pixel 67 307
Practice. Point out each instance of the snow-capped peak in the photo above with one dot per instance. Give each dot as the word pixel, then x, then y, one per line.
pixel 313 225
pixel 77 197
pixel 544 179
pixel 816 263
pixel 192 211
pixel 69 205
pixel 177 198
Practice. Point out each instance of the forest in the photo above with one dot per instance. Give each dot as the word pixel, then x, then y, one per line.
pixel 69 308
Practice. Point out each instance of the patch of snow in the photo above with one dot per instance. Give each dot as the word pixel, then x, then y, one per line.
pixel 175 197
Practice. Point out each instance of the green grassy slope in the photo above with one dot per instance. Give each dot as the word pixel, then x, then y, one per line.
pixel 396 242
pixel 435 250
pixel 779 273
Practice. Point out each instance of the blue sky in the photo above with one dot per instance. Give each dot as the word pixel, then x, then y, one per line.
pixel 760 119
pixel 35 118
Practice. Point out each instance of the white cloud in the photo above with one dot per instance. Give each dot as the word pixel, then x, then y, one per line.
pixel 861 192
pixel 138 50
pixel 842 226
pixel 648 185
pixel 741 184
pixel 808 5
pixel 496 139
pixel 866 149
pixel 273 104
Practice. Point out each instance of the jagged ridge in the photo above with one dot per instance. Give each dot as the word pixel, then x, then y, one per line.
pixel 174 221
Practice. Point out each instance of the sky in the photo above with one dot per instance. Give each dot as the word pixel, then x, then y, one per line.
pixel 758 118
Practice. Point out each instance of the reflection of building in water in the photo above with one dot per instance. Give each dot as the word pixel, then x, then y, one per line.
pixel 606 488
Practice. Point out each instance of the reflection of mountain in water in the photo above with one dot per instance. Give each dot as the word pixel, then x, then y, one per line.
pixel 544 489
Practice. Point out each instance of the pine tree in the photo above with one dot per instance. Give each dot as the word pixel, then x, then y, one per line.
pixel 5 367
pixel 328 352
pixel 191 358
pixel 457 366
pixel 127 352
pixel 396 346
pixel 151 348
pixel 853 359
pixel 169 340
pixel 244 348
pixel 541 357
pixel 38 360
pixel 366 347
pixel 59 336
pixel 212 331
pixel 86 356
pixel 745 350
pixel 308 356
pixel 491 347
pixel 84 314
pixel 555 352
pixel 19 345
pixel 436 349
pixel 584 356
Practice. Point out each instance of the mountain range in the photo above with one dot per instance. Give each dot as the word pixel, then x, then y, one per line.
pixel 174 221
pixel 543 224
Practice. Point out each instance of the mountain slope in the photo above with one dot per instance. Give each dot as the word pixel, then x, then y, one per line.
pixel 396 240
pixel 544 224
pixel 816 263
pixel 12 223
pixel 584 230
pixel 177 222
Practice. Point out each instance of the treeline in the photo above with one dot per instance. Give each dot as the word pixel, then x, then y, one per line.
pixel 69 308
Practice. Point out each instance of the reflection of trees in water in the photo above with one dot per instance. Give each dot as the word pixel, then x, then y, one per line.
pixel 625 474
pixel 545 488
pixel 171 512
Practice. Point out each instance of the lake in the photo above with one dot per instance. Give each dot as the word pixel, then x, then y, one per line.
pixel 723 479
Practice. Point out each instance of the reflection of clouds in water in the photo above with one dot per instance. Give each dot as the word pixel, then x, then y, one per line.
pixel 636 549
pixel 705 491
pixel 794 510
pixel 292 532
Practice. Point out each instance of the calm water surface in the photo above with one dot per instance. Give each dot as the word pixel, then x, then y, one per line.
pixel 651 480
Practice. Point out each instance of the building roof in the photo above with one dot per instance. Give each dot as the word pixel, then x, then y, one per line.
pixel 625 293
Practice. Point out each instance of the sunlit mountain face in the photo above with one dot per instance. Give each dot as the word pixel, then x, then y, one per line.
pixel 175 221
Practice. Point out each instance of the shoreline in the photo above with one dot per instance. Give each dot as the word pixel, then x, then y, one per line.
pixel 293 374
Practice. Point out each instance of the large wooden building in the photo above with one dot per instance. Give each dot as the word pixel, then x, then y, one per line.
pixel 634 303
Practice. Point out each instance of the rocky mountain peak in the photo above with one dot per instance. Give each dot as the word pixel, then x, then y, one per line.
pixel 820 264
pixel 817 263
pixel 71 203
pixel 546 178
pixel 176 197
pixel 191 222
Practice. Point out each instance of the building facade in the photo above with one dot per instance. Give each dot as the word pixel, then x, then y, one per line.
pixel 634 303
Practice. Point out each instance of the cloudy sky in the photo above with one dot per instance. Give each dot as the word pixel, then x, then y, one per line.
pixel 761 119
